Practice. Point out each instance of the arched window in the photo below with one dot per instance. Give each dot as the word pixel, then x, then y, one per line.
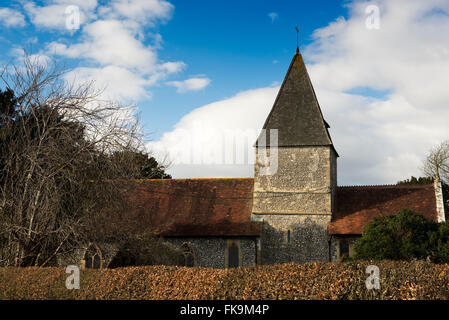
pixel 187 256
pixel 93 257
pixel 233 255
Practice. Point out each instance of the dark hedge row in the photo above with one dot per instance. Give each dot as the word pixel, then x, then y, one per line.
pixel 398 280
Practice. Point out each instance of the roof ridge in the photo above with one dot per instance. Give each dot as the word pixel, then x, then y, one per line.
pixel 185 179
pixel 388 186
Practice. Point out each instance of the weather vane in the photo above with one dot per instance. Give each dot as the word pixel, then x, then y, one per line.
pixel 297 39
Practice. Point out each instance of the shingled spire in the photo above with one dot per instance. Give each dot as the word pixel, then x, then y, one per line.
pixel 296 112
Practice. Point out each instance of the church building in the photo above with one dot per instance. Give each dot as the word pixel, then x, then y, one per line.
pixel 297 214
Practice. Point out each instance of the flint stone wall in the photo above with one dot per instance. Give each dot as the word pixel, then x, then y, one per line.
pixel 295 205
pixel 303 183
pixel 210 252
pixel 294 238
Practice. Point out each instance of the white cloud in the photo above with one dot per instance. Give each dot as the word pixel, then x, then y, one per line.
pixel 202 133
pixel 11 18
pixel 114 46
pixel 142 11
pixel 54 16
pixel 192 84
pixel 109 42
pixel 117 83
pixel 380 139
pixel 37 58
pixel 173 67
pixel 126 67
pixel 405 54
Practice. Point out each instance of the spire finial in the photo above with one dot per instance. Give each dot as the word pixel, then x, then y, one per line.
pixel 297 39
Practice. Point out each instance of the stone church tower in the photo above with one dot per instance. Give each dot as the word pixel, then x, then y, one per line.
pixel 296 202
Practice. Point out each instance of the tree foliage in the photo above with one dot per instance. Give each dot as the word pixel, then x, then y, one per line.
pixel 64 153
pixel 439 243
pixel 436 163
pixel 413 181
pixel 141 250
pixel 146 166
pixel 402 236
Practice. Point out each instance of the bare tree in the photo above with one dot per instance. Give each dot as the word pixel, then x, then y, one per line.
pixel 57 169
pixel 436 164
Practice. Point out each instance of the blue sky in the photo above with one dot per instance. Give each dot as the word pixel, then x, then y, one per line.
pixel 237 49
pixel 217 66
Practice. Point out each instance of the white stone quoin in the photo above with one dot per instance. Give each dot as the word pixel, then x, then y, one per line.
pixel 439 199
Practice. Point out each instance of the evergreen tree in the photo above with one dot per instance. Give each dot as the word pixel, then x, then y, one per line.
pixel 402 236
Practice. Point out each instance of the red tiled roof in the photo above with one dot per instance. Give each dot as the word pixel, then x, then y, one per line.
pixel 195 207
pixel 222 207
pixel 358 205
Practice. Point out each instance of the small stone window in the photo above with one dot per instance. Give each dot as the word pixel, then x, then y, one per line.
pixel 288 234
pixel 345 246
pixel 233 255
pixel 93 257
pixel 187 257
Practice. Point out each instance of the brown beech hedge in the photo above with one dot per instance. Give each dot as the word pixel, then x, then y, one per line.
pixel 398 280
